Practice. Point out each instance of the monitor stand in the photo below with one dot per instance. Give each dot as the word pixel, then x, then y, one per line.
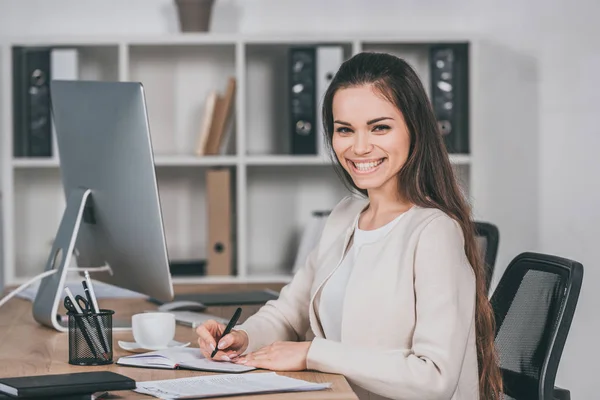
pixel 51 289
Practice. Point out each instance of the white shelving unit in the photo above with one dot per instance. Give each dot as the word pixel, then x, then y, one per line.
pixel 275 191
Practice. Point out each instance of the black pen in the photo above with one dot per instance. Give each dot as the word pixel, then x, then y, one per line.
pixel 228 328
pixel 97 321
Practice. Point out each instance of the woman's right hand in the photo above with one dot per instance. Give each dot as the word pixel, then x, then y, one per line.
pixel 230 346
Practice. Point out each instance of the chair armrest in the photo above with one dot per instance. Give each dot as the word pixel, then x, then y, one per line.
pixel 561 394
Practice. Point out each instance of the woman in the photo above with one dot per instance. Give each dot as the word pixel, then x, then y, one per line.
pixel 393 296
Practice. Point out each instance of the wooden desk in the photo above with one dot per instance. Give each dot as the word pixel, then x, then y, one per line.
pixel 27 348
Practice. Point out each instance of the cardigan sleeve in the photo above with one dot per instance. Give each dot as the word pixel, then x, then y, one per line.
pixel 286 318
pixel 444 285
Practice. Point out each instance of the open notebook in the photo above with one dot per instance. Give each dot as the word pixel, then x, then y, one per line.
pixel 182 358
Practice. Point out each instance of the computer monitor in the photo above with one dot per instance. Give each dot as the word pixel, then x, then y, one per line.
pixel 113 215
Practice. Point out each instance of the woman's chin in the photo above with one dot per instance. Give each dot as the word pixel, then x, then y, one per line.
pixel 367 184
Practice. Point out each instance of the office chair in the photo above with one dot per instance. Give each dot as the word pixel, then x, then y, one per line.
pixel 487 237
pixel 534 304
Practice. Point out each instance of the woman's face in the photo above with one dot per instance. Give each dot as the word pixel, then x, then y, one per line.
pixel 370 137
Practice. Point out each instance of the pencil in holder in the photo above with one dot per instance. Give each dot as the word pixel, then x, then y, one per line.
pixel 90 338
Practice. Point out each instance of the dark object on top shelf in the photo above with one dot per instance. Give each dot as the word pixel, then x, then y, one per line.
pixel 194 15
pixel 449 66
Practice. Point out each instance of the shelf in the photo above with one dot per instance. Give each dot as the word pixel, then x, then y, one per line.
pixel 159 161
pixel 232 38
pixel 284 160
pixel 35 162
pixel 191 161
pixel 275 191
pixel 179 280
pixel 460 159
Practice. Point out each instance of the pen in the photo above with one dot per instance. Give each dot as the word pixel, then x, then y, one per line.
pixel 97 319
pixel 96 309
pixel 81 322
pixel 228 328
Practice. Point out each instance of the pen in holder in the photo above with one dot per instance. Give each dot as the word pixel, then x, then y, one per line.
pixel 90 337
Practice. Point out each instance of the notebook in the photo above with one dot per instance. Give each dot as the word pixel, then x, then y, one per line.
pixel 63 385
pixel 200 387
pixel 181 358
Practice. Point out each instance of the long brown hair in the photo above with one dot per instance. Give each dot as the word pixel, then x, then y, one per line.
pixel 426 179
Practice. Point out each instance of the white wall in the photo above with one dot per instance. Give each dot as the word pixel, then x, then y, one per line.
pixel 561 34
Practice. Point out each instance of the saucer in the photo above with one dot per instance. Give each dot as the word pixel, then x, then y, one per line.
pixel 137 348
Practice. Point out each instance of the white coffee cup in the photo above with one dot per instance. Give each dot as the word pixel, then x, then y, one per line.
pixel 153 330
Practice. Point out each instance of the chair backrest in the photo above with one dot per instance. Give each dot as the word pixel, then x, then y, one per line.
pixel 488 237
pixel 534 304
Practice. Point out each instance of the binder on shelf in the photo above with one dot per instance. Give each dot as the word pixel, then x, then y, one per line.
pixel 32 130
pixel 302 100
pixel 450 94
pixel 221 220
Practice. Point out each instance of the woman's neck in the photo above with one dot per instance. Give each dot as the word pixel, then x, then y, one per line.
pixel 383 208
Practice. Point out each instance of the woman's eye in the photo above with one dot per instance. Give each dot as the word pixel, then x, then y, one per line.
pixel 381 128
pixel 342 129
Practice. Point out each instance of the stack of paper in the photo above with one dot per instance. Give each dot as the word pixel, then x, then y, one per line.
pixel 225 385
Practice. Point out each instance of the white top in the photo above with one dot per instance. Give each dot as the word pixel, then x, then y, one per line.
pixel 332 297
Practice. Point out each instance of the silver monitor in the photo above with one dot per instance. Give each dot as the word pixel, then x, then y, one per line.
pixel 113 215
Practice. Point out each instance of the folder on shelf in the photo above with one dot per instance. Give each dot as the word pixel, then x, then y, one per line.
pixel 220 221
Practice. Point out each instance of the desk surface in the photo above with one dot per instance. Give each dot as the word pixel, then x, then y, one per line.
pixel 27 348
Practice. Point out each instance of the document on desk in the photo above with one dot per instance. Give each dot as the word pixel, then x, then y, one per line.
pixel 201 387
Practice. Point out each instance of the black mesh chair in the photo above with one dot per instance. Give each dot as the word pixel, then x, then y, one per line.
pixel 487 237
pixel 534 304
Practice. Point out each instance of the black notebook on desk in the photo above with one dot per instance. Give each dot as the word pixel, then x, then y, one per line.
pixel 62 386
pixel 227 298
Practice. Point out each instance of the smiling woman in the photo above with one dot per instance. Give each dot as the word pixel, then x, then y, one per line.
pixel 400 261
pixel 370 138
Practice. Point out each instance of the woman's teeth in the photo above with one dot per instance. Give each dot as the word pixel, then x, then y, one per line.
pixel 367 166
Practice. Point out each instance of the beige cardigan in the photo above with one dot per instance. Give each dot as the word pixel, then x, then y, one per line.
pixel 408 329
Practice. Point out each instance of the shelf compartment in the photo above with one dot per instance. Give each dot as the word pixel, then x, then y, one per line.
pixel 39 203
pixel 267 120
pixel 177 81
pixel 280 202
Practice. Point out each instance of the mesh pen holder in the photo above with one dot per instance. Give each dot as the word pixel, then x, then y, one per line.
pixel 90 338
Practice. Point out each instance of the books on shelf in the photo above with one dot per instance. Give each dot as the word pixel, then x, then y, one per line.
pixel 217 121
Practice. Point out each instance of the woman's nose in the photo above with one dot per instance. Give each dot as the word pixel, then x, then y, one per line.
pixel 362 144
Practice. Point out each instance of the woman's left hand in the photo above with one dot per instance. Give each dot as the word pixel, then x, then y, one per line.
pixel 279 356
